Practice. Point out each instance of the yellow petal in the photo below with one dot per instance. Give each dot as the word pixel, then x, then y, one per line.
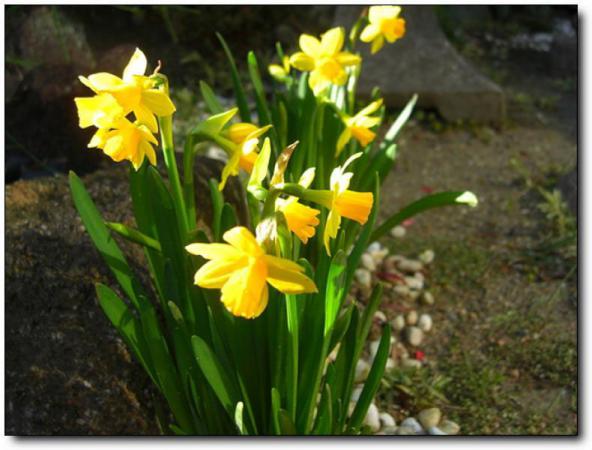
pixel 331 228
pixel 277 72
pixel 281 276
pixel 158 102
pixel 238 132
pixel 258 132
pixel 242 239
pixel 371 108
pixel 136 66
pixel 363 135
pixel 377 44
pixel 146 117
pixel 301 219
pixel 378 13
pixel 309 45
pixel 394 30
pixel 214 274
pixel 369 33
pixel 148 151
pixel 247 161
pixel 332 41
pixel 230 169
pixel 354 205
pixel 115 148
pixel 213 251
pixel 344 138
pixel 245 292
pixel 101 111
pixel 147 134
pixel 103 81
pixel 99 138
pixel 348 59
pixel 260 164
pixel 302 61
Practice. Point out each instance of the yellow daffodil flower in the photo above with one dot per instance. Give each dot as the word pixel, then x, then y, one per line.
pixel 131 141
pixel 359 126
pixel 324 59
pixel 245 137
pixel 242 269
pixel 101 111
pixel 301 219
pixel 280 72
pixel 385 23
pixel 342 202
pixel 134 92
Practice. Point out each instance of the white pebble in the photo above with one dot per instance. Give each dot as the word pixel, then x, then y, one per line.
pixel 374 246
pixel 414 283
pixel 363 277
pixel 387 420
pixel 398 323
pixel 412 423
pixel 389 431
pixel 379 255
pixel 409 265
pixel 410 363
pixel 414 336
pixel 435 431
pixel 362 371
pixel 425 322
pixel 427 257
pixel 357 391
pixel 372 418
pixel 390 364
pixel 380 317
pixel 412 317
pixel 427 298
pixel 368 262
pixel 429 417
pixel 402 290
pixel 398 232
pixel 373 349
pixel 449 427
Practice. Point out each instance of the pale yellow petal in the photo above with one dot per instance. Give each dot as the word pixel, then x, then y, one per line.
pixel 371 108
pixel 344 138
pixel 302 61
pixel 377 44
pixel 214 274
pixel 230 168
pixel 242 239
pixel 309 45
pixel 158 102
pixel 238 132
pixel 284 279
pixel 307 177
pixel 244 294
pixel 99 138
pixel 348 59
pixel 369 33
pixel 101 111
pixel 136 66
pixel 332 41
pixel 148 151
pixel 275 261
pixel 331 228
pixel 146 117
pixel 213 251
pixel 104 81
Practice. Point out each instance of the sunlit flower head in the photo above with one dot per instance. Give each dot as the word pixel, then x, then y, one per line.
pixel 324 59
pixel 101 111
pixel 280 72
pixel 242 269
pixel 301 219
pixel 245 137
pixel 385 23
pixel 127 140
pixel 359 126
pixel 135 92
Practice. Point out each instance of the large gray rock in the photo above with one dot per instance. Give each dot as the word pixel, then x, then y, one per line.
pixel 424 62
pixel 68 372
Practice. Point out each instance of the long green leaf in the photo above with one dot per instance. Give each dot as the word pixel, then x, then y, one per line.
pixel 210 98
pixel 103 241
pixel 239 91
pixel 438 200
pixel 133 235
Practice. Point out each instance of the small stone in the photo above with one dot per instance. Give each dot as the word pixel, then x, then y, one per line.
pixel 413 294
pixel 411 318
pixel 357 391
pixel 380 317
pixel 402 290
pixel 398 232
pixel 368 262
pixel 429 417
pixel 374 247
pixel 427 257
pixel 372 419
pixel 399 351
pixel 409 265
pixel 398 323
pixel 410 363
pixel 413 424
pixel 435 431
pixel 378 255
pixel 363 277
pixel 427 298
pixel 362 371
pixel 387 420
pixel 373 349
pixel 389 431
pixel 391 262
pixel 405 431
pixel 414 336
pixel 449 427
pixel 414 283
pixel 390 364
pixel 425 322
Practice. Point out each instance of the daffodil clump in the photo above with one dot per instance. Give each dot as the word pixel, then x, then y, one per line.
pixel 247 328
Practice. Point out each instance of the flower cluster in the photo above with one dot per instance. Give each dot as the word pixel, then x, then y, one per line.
pixel 115 98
